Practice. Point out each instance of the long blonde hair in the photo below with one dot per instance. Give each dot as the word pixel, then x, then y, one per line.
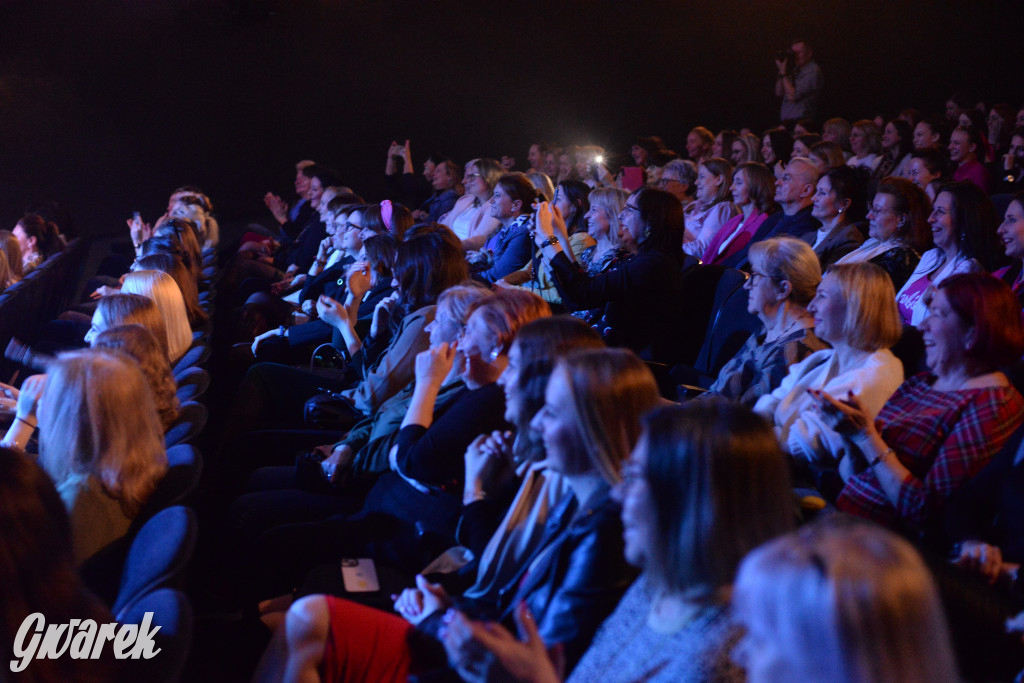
pixel 97 418
pixel 165 293
pixel 133 309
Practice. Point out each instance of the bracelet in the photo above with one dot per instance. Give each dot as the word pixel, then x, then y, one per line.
pixel 881 456
pixel 25 422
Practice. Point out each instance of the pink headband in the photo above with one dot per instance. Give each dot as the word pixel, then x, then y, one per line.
pixel 385 214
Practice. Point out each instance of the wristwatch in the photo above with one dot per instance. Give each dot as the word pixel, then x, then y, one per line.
pixel 550 241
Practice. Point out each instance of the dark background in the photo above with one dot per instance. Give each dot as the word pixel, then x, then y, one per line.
pixel 109 105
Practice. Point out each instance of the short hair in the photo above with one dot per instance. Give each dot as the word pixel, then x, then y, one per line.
pixel 847 601
pixel 872 135
pixel 542 184
pixel 841 129
pixel 97 418
pixel 610 200
pixel 829 152
pixel 611 389
pixel 720 168
pixel 518 187
pixel 987 304
pixel 686 170
pixel 787 259
pixel 974 139
pixel 490 170
pixel 751 147
pixel 805 168
pixel 662 213
pixel 872 319
pixel 133 309
pixel 935 160
pixel 139 343
pixel 760 183
pixel 161 288
pixel 720 487
pixel 910 201
pixel 326 176
pixel 507 310
pixel 541 343
pixel 850 184
pixel 974 219
pixel 461 300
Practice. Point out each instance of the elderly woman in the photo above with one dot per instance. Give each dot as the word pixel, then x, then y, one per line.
pixel 784 276
pixel 841 602
pixel 679 178
pixel 633 293
pixel 898 230
pixel 854 310
pixel 470 219
pixel 712 209
pixel 753 192
pixel 838 203
pixel 689 517
pixel 942 427
pixel 964 231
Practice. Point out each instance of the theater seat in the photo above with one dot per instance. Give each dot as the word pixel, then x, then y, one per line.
pixel 173 615
pixel 158 555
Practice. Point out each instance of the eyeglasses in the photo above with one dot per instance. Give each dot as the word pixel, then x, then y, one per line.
pixel 630 207
pixel 752 280
pixel 663 181
pixel 471 176
pixel 878 210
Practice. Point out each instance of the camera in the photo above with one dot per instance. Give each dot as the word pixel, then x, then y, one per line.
pixel 787 56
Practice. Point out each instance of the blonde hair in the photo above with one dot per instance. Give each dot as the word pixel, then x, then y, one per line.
pixel 460 301
pixel 139 343
pixel 610 200
pixel 846 601
pixel 872 318
pixel 611 389
pixel 97 418
pixel 6 279
pixel 174 266
pixel 12 250
pixel 542 183
pixel 507 310
pixel 165 293
pixel 133 309
pixel 791 260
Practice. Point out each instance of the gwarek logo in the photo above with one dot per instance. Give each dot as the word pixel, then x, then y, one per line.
pixel 81 639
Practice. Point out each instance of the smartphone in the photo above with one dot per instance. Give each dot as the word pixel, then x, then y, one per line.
pixel 359 576
pixel 136 215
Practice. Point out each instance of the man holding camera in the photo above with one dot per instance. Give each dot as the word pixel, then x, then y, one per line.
pixel 799 81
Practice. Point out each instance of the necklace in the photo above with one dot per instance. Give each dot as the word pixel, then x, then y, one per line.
pixel 799 320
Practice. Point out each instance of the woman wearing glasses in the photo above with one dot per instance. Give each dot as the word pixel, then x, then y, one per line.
pixel 963 223
pixel 898 231
pixel 470 219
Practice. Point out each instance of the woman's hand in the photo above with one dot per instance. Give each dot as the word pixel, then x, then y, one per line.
pixel 278 207
pixel 434 364
pixel 416 604
pixel 331 312
pixel 382 313
pixel 28 398
pixel 338 463
pixel 276 332
pixel 480 459
pixel 102 291
pixel 482 651
pixel 981 558
pixel 359 279
pixel 139 231
pixel 308 306
pixel 846 416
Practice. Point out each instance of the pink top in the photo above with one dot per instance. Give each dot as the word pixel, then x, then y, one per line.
pixel 722 247
pixel 974 172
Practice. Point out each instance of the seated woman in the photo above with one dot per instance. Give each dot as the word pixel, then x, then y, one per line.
pixel 1011 234
pixel 784 276
pixel 705 484
pixel 39 240
pixel 139 343
pixel 826 155
pixel 509 248
pixel 753 192
pixel 842 602
pixel 940 428
pixel 746 147
pixel 38 575
pixel 294 345
pixel 802 144
pixel 175 267
pixel 898 230
pixel 930 132
pixel 470 219
pixel 195 208
pixel 570 582
pixel 573 205
pixel 11 248
pixel 128 309
pixel 105 467
pixel 161 288
pixel 6 276
pixel 866 143
pixel 776 149
pixel 963 226
pixel 639 295
pixel 897 144
pixel 855 312
pixel 705 217
pixel 603 227
pixel 839 204
pixel 428 261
